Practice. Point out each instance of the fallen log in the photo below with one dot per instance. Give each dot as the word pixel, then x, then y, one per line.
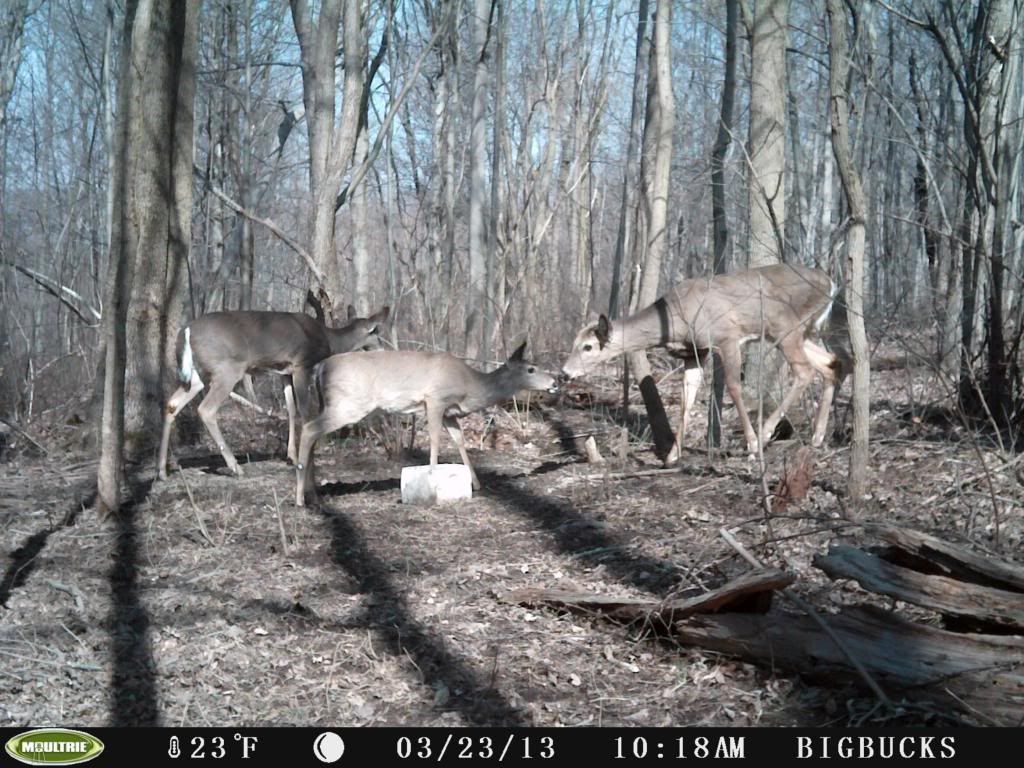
pixel 751 591
pixel 953 560
pixel 994 609
pixel 981 673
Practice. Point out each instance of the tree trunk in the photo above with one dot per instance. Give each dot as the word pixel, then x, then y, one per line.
pixel 857 482
pixel 161 201
pixel 476 289
pixel 718 219
pixel 331 147
pixel 629 179
pixel 660 123
pixel 766 189
pixel 151 230
pixel 767 145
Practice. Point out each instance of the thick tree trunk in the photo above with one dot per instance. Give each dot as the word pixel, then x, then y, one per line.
pixel 766 188
pixel 161 201
pixel 767 145
pixel 151 229
pixel 658 130
pixel 476 288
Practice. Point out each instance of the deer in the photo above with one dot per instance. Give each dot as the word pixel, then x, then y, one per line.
pixel 220 348
pixel 787 305
pixel 353 387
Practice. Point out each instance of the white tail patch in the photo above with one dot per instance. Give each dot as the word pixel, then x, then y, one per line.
pixel 823 317
pixel 187 366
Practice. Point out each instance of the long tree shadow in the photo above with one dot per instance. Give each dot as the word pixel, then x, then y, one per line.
pixel 580 537
pixel 133 684
pixel 479 703
pixel 23 559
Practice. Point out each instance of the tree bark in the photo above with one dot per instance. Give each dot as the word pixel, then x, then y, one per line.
pixel 718 219
pixel 161 201
pixel 476 288
pixel 151 230
pixel 660 123
pixel 767 145
pixel 857 482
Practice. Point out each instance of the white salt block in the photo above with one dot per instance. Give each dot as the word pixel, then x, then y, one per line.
pixel 445 482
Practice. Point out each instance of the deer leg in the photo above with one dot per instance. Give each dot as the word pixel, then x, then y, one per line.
pixel 328 421
pixel 220 389
pixel 827 364
pixel 455 432
pixel 435 415
pixel 289 402
pixel 732 362
pixel 803 373
pixel 175 403
pixel 296 397
pixel 693 377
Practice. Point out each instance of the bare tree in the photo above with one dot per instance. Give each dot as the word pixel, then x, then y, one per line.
pixel 767 143
pixel 657 161
pixel 857 482
pixel 719 223
pixel 151 228
pixel 331 147
pixel 476 289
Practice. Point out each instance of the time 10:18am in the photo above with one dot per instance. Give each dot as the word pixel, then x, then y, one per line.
pixel 680 748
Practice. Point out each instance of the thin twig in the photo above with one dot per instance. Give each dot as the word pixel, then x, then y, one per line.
pixel 195 510
pixel 280 523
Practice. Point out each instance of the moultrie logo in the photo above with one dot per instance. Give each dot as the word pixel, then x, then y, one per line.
pixel 53 746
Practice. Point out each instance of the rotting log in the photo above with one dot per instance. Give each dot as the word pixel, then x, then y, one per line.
pixel 982 673
pixel 1003 610
pixel 747 592
pixel 954 560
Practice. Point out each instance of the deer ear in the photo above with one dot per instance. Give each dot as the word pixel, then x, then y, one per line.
pixel 351 312
pixel 382 316
pixel 517 356
pixel 603 331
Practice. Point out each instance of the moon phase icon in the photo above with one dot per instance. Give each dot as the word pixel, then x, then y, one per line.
pixel 328 747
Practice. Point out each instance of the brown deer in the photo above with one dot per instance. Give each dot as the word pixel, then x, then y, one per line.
pixel 220 348
pixel 786 304
pixel 354 386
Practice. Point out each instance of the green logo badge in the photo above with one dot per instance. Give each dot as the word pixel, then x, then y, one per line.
pixel 54 746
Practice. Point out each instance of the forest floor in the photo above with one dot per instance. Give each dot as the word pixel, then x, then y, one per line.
pixel 217 602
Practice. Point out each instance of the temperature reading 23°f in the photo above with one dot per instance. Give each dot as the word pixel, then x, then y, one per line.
pixel 680 748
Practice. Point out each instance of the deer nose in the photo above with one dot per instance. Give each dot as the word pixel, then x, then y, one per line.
pixel 562 377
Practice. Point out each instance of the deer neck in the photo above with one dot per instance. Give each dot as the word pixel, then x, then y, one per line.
pixel 486 389
pixel 642 330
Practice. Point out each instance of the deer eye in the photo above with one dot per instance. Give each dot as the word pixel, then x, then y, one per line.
pixel 587 347
pixel 531 369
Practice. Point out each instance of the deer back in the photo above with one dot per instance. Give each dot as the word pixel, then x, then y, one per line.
pixel 778 299
pixel 395 380
pixel 254 340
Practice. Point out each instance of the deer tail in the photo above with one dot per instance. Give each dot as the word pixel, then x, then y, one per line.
pixel 318 382
pixel 186 362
